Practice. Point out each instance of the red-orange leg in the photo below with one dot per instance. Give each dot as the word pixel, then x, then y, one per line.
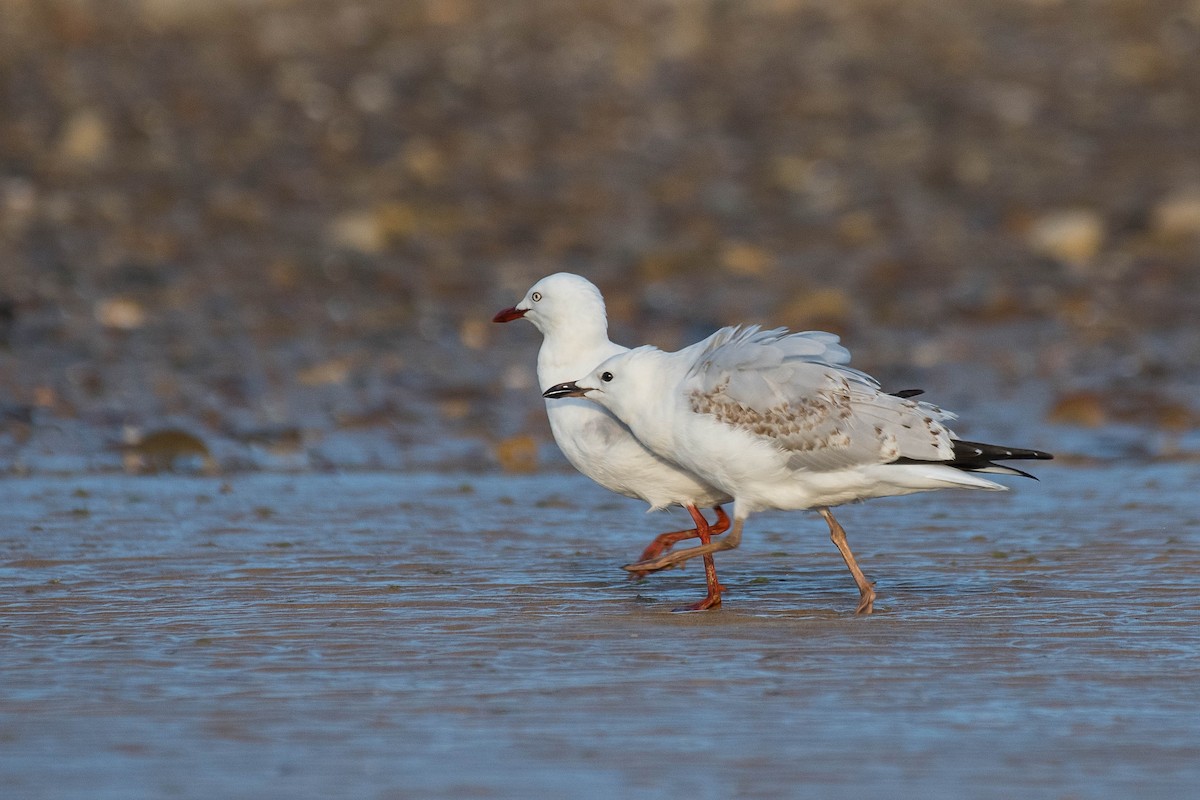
pixel 704 532
pixel 664 541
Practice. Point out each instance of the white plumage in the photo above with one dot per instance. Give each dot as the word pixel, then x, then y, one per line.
pixel 780 421
pixel 569 311
pixel 796 390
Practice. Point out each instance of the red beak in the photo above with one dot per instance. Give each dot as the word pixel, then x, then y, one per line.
pixel 509 314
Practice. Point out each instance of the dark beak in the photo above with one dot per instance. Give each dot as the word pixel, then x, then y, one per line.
pixel 561 390
pixel 509 314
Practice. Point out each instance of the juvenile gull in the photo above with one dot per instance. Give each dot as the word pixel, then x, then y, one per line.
pixel 569 311
pixel 780 421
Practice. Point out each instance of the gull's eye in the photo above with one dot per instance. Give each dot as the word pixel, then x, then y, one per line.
pixel 606 377
pixel 536 297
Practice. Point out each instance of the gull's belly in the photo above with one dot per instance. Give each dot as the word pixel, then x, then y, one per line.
pixel 604 449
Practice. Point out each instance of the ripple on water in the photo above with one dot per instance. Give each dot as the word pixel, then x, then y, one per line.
pixel 1037 641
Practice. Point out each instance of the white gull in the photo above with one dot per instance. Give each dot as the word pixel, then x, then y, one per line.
pixel 780 421
pixel 569 311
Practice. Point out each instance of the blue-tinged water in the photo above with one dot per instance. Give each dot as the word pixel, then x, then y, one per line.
pixel 454 635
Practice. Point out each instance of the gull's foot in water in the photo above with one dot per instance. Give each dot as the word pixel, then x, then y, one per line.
pixel 866 603
pixel 640 569
pixel 709 602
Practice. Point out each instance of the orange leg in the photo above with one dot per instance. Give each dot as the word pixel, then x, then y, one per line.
pixel 866 589
pixel 731 540
pixel 663 542
pixel 704 532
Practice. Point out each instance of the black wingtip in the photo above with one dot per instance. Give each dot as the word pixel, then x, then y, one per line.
pixel 979 457
pixel 974 451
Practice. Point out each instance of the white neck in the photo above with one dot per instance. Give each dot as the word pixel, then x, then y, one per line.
pixel 654 401
pixel 571 352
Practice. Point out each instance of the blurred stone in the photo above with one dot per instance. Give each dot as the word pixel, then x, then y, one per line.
pixel 167 450
pixel 821 183
pixel 371 92
pixel 857 228
pixel 929 353
pixel 999 304
pixel 973 166
pixel 18 200
pixel 688 32
pixel 242 206
pixel 352 25
pixel 447 12
pixel 177 13
pixel 85 140
pixel 1152 408
pixel 1177 216
pixel 517 454
pixel 120 313
pixel 1015 104
pixel 396 220
pixel 791 172
pixel 742 258
pixel 327 373
pixel 518 377
pixel 423 159
pixel 358 230
pixel 1078 408
pixel 283 275
pixel 1093 409
pixel 1174 416
pixel 45 396
pixel 371 231
pixel 454 408
pixel 1072 236
pixel 1081 310
pixel 657 265
pixel 1141 62
pixel 827 307
pixel 475 333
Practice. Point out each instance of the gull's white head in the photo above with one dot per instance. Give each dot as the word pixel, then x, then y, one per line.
pixel 560 302
pixel 619 384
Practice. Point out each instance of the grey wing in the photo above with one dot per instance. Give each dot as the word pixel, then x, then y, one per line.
pixel 739 347
pixel 797 391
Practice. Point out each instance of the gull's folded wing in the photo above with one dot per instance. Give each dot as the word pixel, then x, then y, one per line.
pixel 797 391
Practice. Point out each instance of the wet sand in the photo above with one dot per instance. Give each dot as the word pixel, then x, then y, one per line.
pixel 463 635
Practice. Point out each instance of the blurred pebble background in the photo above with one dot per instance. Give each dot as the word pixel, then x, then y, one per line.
pixel 243 234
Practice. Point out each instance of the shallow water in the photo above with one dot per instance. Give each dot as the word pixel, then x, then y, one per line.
pixel 398 635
